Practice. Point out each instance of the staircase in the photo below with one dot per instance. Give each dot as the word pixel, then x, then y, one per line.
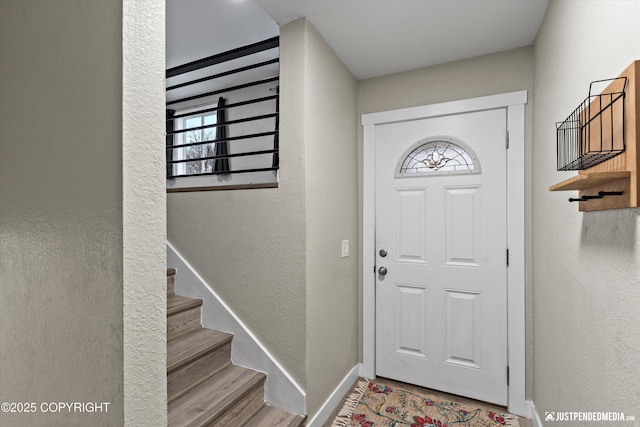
pixel 204 388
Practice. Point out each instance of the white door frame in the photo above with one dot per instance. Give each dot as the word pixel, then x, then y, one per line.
pixel 514 103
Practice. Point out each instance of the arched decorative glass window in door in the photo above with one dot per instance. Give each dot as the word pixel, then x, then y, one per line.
pixel 437 155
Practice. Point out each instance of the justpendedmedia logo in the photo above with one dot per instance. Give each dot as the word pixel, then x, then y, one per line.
pixel 592 416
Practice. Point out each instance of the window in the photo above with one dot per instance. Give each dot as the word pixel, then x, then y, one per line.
pixel 200 133
pixel 441 155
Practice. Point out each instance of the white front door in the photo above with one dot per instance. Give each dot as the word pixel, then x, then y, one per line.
pixel 441 307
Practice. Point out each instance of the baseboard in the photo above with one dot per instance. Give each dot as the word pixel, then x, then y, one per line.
pixel 535 417
pixel 520 408
pixel 335 398
pixel 281 389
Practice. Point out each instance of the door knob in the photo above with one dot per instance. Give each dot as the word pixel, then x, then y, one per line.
pixel 382 271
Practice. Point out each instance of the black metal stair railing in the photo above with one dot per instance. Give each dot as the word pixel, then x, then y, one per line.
pixel 255 94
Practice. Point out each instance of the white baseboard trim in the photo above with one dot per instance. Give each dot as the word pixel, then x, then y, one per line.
pixel 335 398
pixel 521 409
pixel 535 417
pixel 366 371
pixel 281 389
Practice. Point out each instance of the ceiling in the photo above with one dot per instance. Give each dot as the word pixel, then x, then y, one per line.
pixel 196 29
pixel 199 28
pixel 379 37
pixel 371 37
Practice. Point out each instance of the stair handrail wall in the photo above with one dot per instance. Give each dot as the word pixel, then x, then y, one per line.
pixel 248 135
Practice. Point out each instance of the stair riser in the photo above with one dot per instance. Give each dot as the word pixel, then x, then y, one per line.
pixel 180 381
pixel 183 322
pixel 171 287
pixel 242 411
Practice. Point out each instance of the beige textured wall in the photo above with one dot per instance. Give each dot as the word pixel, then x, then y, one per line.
pixel 250 245
pixel 82 235
pixel 332 216
pixel 144 213
pixel 485 75
pixel 586 265
pixel 61 287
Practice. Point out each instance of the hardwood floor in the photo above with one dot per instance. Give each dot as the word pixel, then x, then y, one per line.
pixel 409 387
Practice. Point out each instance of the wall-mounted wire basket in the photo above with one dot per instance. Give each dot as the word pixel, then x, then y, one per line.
pixel 594 132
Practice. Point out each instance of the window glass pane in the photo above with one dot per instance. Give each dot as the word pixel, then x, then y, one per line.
pixel 441 156
pixel 202 163
pixel 192 122
pixel 209 134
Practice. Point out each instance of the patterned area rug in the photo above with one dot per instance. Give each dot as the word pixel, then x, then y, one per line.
pixel 377 405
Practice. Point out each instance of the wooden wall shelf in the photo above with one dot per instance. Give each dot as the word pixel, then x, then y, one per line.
pixel 589 180
pixel 620 173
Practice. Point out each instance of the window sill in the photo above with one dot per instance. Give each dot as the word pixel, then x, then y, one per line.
pixel 223 187
pixel 243 181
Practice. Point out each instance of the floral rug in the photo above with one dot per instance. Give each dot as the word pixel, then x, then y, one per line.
pixel 377 405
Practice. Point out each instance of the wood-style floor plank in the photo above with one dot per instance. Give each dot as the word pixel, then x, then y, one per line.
pixel 274 417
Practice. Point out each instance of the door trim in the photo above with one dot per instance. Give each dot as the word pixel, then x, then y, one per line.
pixel 514 103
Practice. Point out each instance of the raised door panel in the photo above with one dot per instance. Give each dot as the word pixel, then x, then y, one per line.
pixel 411 328
pixel 411 237
pixel 462 328
pixel 462 226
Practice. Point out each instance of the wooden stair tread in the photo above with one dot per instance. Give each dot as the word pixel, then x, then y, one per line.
pixel 270 416
pixel 177 304
pixel 211 399
pixel 192 345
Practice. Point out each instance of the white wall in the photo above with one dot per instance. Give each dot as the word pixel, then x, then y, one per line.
pixel 81 234
pixel 144 219
pixel 332 216
pixel 485 75
pixel 247 128
pixel 586 281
